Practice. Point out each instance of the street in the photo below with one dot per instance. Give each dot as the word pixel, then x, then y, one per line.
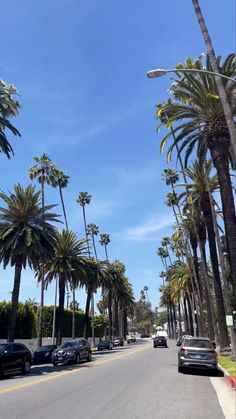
pixel 136 381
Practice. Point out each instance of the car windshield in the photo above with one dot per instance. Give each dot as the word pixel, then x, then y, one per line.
pixel 68 345
pixel 197 343
pixel 43 348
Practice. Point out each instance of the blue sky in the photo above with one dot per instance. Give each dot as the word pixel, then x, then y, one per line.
pixel 80 69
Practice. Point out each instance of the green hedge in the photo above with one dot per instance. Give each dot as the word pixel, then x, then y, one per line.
pixel 27 321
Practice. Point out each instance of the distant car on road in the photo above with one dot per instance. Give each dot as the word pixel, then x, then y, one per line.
pixel 118 341
pixel 197 353
pixel 43 354
pixel 131 339
pixel 159 341
pixel 104 344
pixel 144 336
pixel 72 352
pixel 14 357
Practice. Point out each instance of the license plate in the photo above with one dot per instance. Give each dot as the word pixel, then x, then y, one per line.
pixel 60 358
pixel 197 356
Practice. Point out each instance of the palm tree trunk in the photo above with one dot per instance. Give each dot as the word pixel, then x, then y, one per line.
pixel 186 317
pixel 210 322
pixel 63 208
pixel 40 325
pixel 220 162
pixel 86 314
pixel 94 247
pixel 60 309
pixel 223 333
pixel 15 299
pixel 73 313
pixel 110 313
pixel 218 80
pixel 180 319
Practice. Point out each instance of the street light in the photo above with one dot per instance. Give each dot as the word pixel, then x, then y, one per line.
pixel 159 72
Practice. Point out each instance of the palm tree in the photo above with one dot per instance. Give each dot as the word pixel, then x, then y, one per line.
pixel 219 83
pixel 26 237
pixel 200 198
pixel 69 263
pixel 198 105
pixel 60 180
pixel 93 230
pixel 84 199
pixel 43 172
pixel 8 107
pixel 104 241
pixel 97 275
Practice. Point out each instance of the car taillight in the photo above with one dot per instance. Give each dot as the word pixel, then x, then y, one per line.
pixel 211 352
pixel 183 351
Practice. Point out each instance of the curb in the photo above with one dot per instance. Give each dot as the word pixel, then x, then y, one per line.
pixel 230 380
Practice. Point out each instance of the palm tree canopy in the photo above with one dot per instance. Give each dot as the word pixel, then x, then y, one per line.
pixel 60 179
pixel 25 227
pixel 104 239
pixel 43 170
pixel 69 260
pixel 8 107
pixel 83 199
pixel 92 229
pixel 197 104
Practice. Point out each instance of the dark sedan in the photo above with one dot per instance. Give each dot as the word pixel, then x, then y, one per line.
pixel 72 352
pixel 14 357
pixel 43 354
pixel 159 341
pixel 104 345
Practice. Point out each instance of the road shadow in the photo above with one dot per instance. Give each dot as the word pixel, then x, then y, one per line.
pixel 203 372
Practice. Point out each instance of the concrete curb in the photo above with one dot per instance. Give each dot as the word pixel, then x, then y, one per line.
pixel 231 381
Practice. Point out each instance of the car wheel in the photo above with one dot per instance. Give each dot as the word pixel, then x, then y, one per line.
pixel 89 358
pixel 77 359
pixel 26 367
pixel 180 369
pixel 55 364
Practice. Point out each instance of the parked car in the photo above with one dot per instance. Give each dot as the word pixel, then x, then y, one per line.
pixel 197 352
pixel 71 352
pixel 131 339
pixel 15 357
pixel 118 341
pixel 104 344
pixel 181 338
pixel 43 354
pixel 159 341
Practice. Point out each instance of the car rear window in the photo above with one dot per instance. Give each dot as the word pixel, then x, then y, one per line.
pixel 197 343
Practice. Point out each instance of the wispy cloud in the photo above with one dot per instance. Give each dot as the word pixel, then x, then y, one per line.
pixel 148 230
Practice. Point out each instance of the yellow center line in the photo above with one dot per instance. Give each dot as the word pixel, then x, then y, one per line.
pixel 65 373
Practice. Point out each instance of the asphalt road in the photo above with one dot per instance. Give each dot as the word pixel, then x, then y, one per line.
pixel 134 382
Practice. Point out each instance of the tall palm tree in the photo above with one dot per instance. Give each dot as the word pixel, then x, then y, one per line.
pixel 84 199
pixel 69 263
pixel 219 83
pixel 43 172
pixel 24 237
pixel 197 104
pixel 97 275
pixel 200 198
pixel 60 180
pixel 8 107
pixel 93 230
pixel 104 241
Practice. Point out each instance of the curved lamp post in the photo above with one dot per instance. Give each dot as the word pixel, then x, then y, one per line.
pixel 159 72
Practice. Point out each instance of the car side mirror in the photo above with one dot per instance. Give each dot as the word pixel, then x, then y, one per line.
pixel 213 344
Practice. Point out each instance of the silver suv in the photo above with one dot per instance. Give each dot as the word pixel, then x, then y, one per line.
pixel 197 352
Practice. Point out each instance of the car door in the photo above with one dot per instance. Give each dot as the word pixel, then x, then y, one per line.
pixel 83 348
pixel 19 353
pixel 7 359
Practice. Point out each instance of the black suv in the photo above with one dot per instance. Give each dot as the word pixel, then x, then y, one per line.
pixel 14 356
pixel 160 341
pixel 71 352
